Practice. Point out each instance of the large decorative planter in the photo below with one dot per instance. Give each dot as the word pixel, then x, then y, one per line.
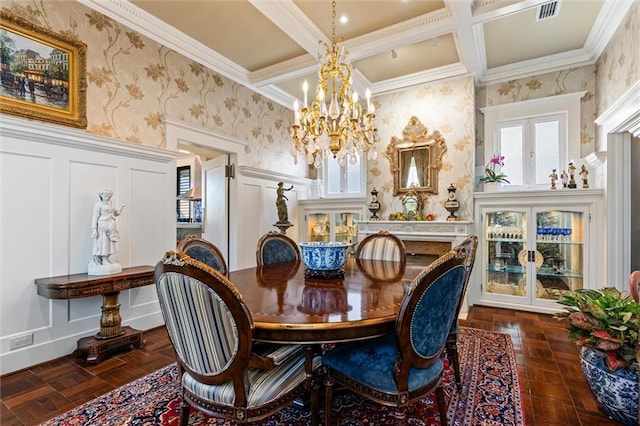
pixel 617 393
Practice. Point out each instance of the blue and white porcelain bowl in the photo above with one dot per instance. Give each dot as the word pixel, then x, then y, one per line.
pixel 324 256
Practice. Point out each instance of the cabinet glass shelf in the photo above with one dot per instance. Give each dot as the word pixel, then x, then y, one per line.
pixel 511 240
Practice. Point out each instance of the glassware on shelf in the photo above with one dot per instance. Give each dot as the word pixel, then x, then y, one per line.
pixel 553 234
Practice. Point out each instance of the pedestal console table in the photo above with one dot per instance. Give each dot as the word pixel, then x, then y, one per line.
pixel 111 335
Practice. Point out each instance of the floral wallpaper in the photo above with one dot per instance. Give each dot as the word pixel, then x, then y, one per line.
pixel 545 85
pixel 618 68
pixel 133 82
pixel 446 106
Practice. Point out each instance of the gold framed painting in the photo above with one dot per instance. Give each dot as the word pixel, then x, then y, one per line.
pixel 43 73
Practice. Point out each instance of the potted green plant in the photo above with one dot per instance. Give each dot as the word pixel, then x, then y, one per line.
pixel 606 324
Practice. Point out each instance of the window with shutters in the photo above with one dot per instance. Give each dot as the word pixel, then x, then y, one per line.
pixel 183 207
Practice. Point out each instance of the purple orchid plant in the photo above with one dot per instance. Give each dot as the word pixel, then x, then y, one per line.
pixel 491 175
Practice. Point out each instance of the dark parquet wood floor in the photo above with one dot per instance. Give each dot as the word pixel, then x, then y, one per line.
pixel 553 389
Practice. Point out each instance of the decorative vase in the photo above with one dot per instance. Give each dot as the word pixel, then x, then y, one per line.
pixel 491 186
pixel 616 392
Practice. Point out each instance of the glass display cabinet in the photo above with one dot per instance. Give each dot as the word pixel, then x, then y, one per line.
pixel 527 254
pixel 331 219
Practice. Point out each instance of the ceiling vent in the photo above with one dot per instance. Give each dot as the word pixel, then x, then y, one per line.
pixel 548 10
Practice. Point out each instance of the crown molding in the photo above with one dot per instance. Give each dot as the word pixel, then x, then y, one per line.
pixel 440 73
pixel 411 31
pixel 605 26
pixel 253 172
pixel 147 24
pixel 135 18
pixel 561 61
pixel 530 103
pixel 292 68
pixel 624 114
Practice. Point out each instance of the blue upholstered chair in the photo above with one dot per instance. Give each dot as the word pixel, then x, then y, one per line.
pixel 276 247
pixel 382 246
pixel 204 251
pixel 222 371
pixel 401 368
pixel 469 245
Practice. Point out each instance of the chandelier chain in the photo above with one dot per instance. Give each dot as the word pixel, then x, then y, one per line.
pixel 334 122
pixel 333 22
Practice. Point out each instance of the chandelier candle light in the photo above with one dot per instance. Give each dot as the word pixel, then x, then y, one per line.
pixel 341 129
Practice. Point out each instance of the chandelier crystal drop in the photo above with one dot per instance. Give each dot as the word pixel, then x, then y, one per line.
pixel 342 128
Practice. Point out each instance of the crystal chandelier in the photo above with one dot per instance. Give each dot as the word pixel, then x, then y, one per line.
pixel 341 128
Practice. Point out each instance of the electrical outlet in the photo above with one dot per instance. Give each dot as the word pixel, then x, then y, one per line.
pixel 21 342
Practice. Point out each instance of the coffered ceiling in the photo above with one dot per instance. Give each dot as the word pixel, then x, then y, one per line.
pixel 271 46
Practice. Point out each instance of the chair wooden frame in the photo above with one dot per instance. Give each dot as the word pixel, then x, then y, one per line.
pixel 190 244
pixel 384 235
pixel 469 245
pixel 275 236
pixel 407 357
pixel 241 359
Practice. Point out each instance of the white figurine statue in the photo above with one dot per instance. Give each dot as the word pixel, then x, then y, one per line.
pixel 105 236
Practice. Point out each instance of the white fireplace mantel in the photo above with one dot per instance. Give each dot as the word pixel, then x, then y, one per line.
pixel 453 232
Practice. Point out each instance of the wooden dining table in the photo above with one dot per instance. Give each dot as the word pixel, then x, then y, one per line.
pixel 288 307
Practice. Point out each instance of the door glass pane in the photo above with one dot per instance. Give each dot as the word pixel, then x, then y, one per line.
pixel 318 227
pixel 512 150
pixel 547 147
pixel 505 239
pixel 560 242
pixel 346 227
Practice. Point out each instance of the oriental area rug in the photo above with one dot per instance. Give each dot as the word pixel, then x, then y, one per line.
pixel 490 395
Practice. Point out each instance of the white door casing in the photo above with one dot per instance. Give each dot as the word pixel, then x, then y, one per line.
pixel 216 203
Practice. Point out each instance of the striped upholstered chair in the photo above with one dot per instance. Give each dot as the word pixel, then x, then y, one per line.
pixel 382 246
pixel 379 270
pixel 276 247
pixel 400 368
pixel 204 251
pixel 222 371
pixel 469 245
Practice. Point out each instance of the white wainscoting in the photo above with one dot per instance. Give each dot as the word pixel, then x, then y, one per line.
pixel 49 182
pixel 257 211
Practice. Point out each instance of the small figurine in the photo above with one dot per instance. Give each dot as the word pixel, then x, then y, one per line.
pixel 572 175
pixel 554 178
pixel 281 205
pixel 564 178
pixel 584 173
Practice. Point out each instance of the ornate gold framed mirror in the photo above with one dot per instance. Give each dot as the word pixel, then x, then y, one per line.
pixel 416 159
